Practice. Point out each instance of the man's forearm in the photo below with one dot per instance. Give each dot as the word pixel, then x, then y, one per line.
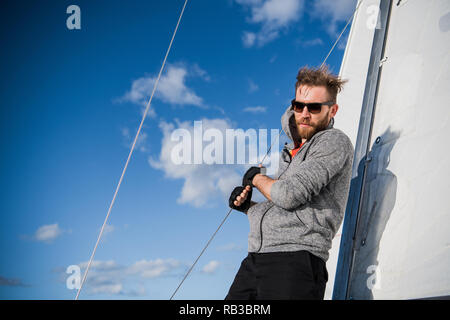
pixel 263 184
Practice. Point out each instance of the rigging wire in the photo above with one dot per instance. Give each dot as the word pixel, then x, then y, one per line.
pixel 131 152
pixel 229 211
pixel 342 32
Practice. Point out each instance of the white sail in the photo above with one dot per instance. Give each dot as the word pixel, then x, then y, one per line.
pixel 402 239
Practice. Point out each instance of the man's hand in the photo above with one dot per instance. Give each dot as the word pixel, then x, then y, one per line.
pixel 247 180
pixel 240 198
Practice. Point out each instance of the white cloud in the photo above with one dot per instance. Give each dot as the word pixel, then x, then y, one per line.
pixel 248 39
pixel 273 16
pixel 332 13
pixel 312 42
pixel 230 247
pixel 252 86
pixel 108 277
pixel 108 229
pixel 48 233
pixel 104 277
pixel 141 143
pixel 100 265
pixel 202 182
pixel 257 109
pixel 153 268
pixel 112 288
pixel 195 70
pixel 172 87
pixel 211 267
pixel 276 13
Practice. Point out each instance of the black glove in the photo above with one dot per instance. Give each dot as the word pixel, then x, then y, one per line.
pixel 250 174
pixel 245 205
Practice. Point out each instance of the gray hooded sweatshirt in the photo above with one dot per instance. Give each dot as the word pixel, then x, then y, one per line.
pixel 309 196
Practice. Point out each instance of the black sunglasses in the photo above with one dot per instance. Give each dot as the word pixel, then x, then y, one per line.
pixel 313 107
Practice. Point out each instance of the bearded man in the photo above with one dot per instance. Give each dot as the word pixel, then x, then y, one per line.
pixel 291 232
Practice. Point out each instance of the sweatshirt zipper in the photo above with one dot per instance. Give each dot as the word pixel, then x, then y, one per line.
pixel 285 149
pixel 260 229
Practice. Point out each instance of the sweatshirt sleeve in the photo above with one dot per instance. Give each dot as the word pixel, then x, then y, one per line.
pixel 326 158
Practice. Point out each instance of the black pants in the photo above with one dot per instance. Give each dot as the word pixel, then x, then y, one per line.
pixel 280 275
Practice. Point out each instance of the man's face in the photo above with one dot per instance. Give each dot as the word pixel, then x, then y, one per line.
pixel 308 123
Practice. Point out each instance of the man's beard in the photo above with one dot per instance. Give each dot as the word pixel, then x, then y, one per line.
pixel 309 132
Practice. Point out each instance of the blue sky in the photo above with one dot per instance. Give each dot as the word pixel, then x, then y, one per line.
pixel 71 103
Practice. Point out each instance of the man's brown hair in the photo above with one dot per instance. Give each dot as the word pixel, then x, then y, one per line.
pixel 320 77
